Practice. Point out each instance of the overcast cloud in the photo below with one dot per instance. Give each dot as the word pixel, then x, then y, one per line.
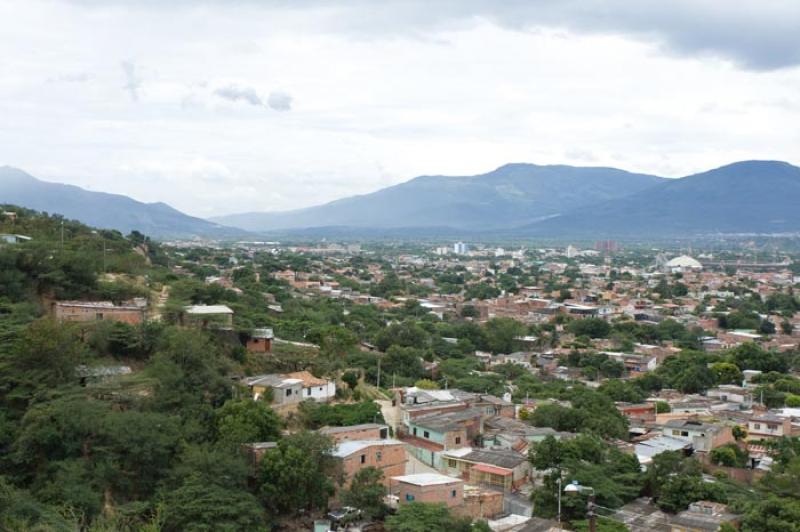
pixel 217 106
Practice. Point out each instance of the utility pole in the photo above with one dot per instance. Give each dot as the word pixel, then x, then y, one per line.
pixel 62 234
pixel 590 513
pixel 379 372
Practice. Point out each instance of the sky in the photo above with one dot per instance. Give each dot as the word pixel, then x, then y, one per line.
pixel 224 106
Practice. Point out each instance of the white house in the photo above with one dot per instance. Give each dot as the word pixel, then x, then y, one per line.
pixel 320 390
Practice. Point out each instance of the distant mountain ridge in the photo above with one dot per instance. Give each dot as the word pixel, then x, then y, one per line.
pixel 100 209
pixel 743 197
pixel 516 200
pixel 512 195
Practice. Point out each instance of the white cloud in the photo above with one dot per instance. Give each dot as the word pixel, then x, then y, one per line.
pixel 375 99
pixel 279 101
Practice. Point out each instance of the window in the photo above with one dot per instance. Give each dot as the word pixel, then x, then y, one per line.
pixel 772 427
pixel 409 497
pixel 415 431
pixel 426 434
pixel 757 426
pixel 453 493
pixel 378 456
pixel 451 463
pixel 363 458
pixel 684 433
pixel 676 432
pixel 288 392
pixel 458 440
pixel 308 391
pixel 99 316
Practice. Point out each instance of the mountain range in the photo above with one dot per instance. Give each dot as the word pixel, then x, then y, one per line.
pixel 512 195
pixel 515 200
pixel 99 209
pixel 743 197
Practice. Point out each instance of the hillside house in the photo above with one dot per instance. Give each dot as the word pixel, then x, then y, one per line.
pixel 320 390
pixel 768 426
pixel 86 311
pixel 429 488
pixel 388 455
pixel 282 389
pixel 260 341
pixel 502 469
pixel 703 436
pixel 364 431
pixel 205 316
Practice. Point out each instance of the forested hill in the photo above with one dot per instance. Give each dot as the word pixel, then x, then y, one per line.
pixel 62 259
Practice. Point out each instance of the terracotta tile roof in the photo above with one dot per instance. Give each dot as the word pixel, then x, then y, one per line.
pixel 307 378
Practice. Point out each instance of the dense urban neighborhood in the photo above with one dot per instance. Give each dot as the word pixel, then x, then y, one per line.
pixel 400 386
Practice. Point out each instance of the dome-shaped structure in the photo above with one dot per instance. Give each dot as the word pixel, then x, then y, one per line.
pixel 684 262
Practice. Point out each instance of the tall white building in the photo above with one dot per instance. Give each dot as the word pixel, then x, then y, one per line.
pixel 460 248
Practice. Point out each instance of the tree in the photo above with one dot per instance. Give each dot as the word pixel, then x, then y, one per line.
pixel 403 361
pixel 729 455
pixel 296 475
pixel 366 492
pixel 199 506
pixel 427 384
pixel 44 357
pixel 351 379
pixel 727 373
pixel 315 415
pixel 591 327
pixel 739 432
pixel 422 517
pixel 772 513
pixel 245 421
pixel 500 334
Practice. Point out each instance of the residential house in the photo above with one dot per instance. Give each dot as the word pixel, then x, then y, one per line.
pixel 13 239
pixel 500 468
pixel 638 412
pixel 703 436
pixel 429 488
pixel 260 341
pixel 365 431
pixel 205 316
pixel 320 390
pixel 703 516
pixel 284 390
pixel 84 311
pixel 428 436
pixel 388 455
pixel 767 426
pixel 254 453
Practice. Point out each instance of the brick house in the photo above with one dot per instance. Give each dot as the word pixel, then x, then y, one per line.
pixel 429 435
pixel 387 455
pixel 260 341
pixel 429 488
pixel 365 431
pixel 85 311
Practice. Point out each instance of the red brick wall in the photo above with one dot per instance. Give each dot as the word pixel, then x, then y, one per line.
pixel 392 461
pixel 439 493
pixel 125 315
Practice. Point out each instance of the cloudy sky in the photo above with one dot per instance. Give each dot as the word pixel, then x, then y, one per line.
pixel 227 106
